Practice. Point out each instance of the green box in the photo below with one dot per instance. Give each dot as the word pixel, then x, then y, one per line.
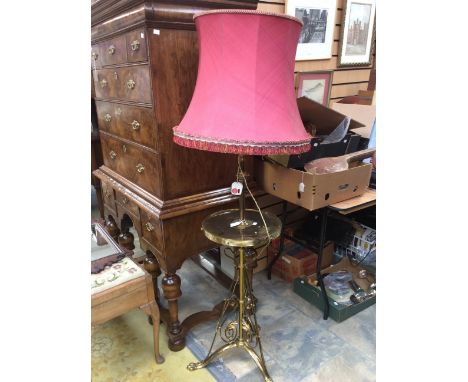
pixel 337 312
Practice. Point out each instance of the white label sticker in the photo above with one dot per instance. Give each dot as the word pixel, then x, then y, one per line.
pixel 142 35
pixel 286 260
pixel 155 31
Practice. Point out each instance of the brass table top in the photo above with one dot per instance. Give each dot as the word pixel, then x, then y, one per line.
pixel 225 228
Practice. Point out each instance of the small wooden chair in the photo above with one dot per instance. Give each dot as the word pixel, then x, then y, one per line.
pixel 122 287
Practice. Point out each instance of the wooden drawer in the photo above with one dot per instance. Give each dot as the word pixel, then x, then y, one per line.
pixel 131 83
pixel 135 163
pixel 137 49
pixel 151 229
pixel 95 57
pixel 113 51
pixel 130 122
pixel 108 194
pixel 126 204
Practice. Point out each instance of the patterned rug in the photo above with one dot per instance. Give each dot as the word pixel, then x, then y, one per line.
pixel 122 351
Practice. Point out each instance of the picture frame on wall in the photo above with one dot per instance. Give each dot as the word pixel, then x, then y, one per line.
pixel 318 17
pixel 315 85
pixel 357 33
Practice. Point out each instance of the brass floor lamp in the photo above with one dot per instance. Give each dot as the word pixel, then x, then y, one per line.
pixel 244 103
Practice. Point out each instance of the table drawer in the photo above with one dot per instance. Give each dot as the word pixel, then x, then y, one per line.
pixel 131 83
pixel 151 229
pixel 126 204
pixel 95 57
pixel 133 162
pixel 130 122
pixel 137 49
pixel 107 193
pixel 113 51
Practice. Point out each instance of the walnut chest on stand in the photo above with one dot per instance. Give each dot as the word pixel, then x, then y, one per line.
pixel 144 59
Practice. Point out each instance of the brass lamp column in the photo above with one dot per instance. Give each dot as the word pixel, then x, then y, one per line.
pixel 240 229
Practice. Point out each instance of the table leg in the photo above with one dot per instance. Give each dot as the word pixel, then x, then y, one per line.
pixel 171 289
pixel 152 267
pixel 323 231
pixel 284 215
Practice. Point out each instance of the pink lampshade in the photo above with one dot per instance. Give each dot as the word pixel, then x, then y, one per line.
pixel 244 100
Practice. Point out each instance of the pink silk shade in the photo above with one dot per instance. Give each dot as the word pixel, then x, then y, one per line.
pixel 244 100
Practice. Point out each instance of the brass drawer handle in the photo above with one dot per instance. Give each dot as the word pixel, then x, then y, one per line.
pixel 111 50
pixel 112 154
pixel 135 45
pixel 140 168
pixel 103 83
pixel 135 125
pixel 131 84
pixel 124 200
pixel 149 227
pixel 107 117
pixel 124 148
pixel 94 55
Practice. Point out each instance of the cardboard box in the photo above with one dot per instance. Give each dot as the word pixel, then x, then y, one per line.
pixel 365 114
pixel 323 121
pixel 297 260
pixel 319 191
pixel 306 288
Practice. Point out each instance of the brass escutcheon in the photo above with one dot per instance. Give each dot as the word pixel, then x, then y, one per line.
pixel 135 125
pixel 124 148
pixel 149 227
pixel 124 200
pixel 94 55
pixel 140 168
pixel 107 117
pixel 103 83
pixel 131 84
pixel 111 49
pixel 112 154
pixel 135 45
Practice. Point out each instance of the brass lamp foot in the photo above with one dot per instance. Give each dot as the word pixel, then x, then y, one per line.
pixel 243 332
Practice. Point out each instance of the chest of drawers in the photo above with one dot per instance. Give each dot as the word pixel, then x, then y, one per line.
pixel 144 58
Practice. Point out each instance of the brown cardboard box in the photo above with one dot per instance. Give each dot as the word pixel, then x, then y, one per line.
pixel 297 261
pixel 321 120
pixel 319 191
pixel 365 114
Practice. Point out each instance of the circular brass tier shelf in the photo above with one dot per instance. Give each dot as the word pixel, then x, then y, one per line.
pixel 225 228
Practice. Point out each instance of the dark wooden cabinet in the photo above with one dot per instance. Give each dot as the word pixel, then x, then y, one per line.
pixel 144 57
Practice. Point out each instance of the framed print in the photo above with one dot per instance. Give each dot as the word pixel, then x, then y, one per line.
pixel 315 85
pixel 318 16
pixel 357 33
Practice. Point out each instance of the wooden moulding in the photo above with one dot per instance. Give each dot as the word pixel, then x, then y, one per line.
pixel 122 15
pixel 164 209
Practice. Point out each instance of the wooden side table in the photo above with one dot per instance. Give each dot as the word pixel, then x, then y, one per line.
pixel 121 286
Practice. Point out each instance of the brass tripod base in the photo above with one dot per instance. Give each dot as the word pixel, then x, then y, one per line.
pixel 237 344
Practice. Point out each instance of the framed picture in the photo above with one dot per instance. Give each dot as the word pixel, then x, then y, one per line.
pixel 357 33
pixel 315 85
pixel 318 16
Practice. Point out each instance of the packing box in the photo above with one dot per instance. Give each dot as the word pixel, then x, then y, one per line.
pixel 319 190
pixel 320 121
pixel 306 287
pixel 365 114
pixel 297 260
